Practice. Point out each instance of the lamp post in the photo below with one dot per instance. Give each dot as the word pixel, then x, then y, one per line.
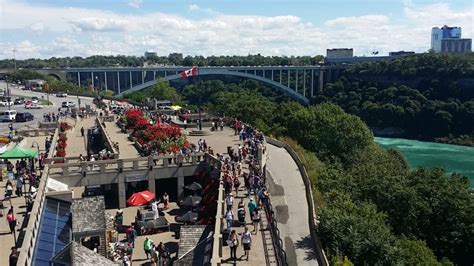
pixel 98 84
pixel 7 93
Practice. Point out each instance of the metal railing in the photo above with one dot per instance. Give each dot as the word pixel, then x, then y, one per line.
pixel 280 252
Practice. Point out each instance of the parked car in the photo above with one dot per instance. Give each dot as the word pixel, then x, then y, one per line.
pixel 24 117
pixel 7 115
pixel 33 106
pixel 6 102
pixel 61 94
pixel 19 101
pixel 68 104
pixel 34 99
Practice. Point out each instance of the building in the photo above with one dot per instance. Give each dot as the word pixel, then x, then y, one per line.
pixel 339 53
pixel 149 54
pixel 399 53
pixel 456 45
pixel 448 40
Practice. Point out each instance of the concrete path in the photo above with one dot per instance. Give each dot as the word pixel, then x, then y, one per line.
pixel 77 144
pixel 126 148
pixel 219 141
pixel 289 199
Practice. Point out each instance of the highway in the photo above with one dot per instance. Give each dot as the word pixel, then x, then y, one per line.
pixel 38 113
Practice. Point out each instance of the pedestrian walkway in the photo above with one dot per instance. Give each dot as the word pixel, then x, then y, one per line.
pixel 76 143
pixel 219 141
pixel 126 147
pixel 291 207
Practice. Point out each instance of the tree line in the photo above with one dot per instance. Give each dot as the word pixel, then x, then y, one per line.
pixel 435 104
pixel 173 59
pixel 372 208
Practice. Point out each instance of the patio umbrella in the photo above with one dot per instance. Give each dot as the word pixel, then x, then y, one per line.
pixel 140 198
pixel 192 201
pixel 195 186
pixel 188 217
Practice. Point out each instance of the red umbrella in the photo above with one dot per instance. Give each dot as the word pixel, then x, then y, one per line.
pixel 140 198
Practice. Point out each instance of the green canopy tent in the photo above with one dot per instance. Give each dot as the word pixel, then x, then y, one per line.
pixel 19 153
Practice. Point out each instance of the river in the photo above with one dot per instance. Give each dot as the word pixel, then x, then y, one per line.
pixel 453 158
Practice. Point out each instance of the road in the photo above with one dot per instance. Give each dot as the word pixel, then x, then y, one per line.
pixel 38 113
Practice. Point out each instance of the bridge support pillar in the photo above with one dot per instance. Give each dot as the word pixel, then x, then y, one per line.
pixel 79 79
pixel 118 82
pixel 312 82
pixel 304 82
pixel 321 81
pixel 296 79
pixel 105 78
pixel 131 80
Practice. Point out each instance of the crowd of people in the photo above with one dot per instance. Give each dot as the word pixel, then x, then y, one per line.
pixel 255 191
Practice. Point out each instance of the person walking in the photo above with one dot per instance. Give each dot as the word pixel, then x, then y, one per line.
pixel 233 243
pixel 11 220
pixel 147 245
pixel 229 201
pixel 13 258
pixel 19 186
pixel 154 208
pixel 246 242
pixel 256 216
pixel 229 218
pixel 251 205
pixel 166 201
pixel 82 131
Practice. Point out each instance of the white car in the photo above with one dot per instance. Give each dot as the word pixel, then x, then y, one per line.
pixel 33 106
pixel 5 103
pixel 34 99
pixel 67 104
pixel 61 94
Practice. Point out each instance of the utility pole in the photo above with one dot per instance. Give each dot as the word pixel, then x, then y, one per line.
pixel 14 57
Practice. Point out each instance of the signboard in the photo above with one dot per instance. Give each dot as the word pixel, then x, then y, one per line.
pixel 134 178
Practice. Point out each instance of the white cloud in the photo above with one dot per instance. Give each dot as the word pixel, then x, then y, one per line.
pixel 84 32
pixel 38 28
pixel 99 24
pixel 135 3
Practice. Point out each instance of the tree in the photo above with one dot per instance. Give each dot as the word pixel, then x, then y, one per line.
pixel 415 252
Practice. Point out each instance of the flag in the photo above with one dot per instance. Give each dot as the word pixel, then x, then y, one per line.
pixel 190 72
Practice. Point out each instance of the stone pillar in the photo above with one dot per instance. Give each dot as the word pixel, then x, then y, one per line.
pixel 122 192
pixel 180 182
pixel 151 183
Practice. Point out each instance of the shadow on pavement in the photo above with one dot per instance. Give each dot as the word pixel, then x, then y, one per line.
pixel 306 243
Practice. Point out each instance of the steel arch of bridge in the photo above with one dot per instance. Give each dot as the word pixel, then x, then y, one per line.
pixel 285 89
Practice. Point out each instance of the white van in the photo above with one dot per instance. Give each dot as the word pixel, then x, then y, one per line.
pixel 7 115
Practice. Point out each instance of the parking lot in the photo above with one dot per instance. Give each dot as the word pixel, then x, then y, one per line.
pixel 38 113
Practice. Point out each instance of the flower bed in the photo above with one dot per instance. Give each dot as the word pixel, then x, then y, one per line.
pixel 163 137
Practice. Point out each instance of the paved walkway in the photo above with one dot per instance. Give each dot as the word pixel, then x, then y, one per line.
pixel 289 199
pixel 219 141
pixel 126 148
pixel 77 144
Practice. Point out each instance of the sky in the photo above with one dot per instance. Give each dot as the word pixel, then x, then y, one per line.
pixel 59 28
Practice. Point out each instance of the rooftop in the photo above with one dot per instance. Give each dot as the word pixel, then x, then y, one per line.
pixel 195 245
pixel 76 254
pixel 88 214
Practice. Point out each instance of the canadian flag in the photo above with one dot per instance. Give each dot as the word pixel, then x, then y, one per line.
pixel 190 72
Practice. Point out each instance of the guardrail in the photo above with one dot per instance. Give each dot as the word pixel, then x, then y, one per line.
pixel 34 217
pixel 280 253
pixel 321 256
pixel 108 141
pixel 118 165
pixel 218 238
pixel 34 132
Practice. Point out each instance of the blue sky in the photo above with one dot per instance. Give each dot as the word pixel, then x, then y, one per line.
pixel 45 28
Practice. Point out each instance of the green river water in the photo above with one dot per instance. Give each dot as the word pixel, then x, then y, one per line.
pixel 453 158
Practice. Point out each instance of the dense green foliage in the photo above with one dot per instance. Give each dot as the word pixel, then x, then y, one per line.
pixel 172 59
pixel 375 209
pixel 428 96
pixel 160 91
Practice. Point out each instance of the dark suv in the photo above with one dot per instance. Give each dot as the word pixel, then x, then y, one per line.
pixel 24 117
